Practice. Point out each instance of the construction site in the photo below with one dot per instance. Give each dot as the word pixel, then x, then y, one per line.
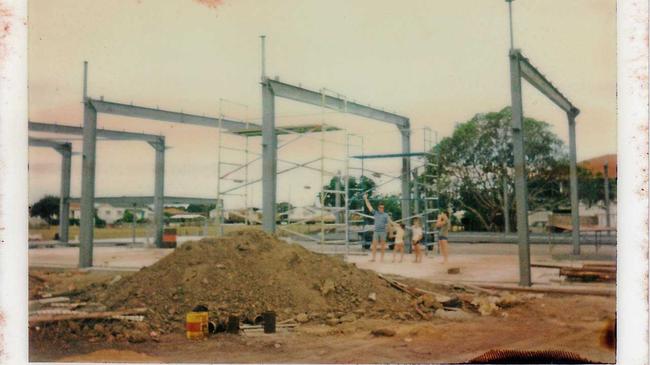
pixel 253 233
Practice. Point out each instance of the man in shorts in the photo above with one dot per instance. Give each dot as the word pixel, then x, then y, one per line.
pixel 381 222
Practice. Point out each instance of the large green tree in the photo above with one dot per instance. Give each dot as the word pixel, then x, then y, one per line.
pixel 475 168
pixel 46 208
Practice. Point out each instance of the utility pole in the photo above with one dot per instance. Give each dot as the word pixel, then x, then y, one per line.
pixel 606 171
pixel 512 37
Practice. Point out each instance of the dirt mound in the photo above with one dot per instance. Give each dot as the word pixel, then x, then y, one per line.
pixel 247 273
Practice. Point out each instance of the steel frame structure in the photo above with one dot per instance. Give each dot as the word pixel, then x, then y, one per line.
pixel 65 150
pixel 90 133
pixel 520 67
pixel 274 88
pixel 429 187
pixel 157 142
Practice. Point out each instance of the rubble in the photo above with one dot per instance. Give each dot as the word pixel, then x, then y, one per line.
pixel 246 273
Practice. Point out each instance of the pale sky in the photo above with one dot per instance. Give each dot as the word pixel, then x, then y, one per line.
pixel 436 62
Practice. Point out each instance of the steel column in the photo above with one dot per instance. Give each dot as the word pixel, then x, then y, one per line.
pixel 159 192
pixel 406 181
pixel 269 158
pixel 521 190
pixel 87 180
pixel 416 202
pixel 506 206
pixel 575 214
pixel 606 181
pixel 64 205
pixel 337 198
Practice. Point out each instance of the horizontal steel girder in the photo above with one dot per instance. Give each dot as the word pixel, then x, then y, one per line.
pixel 59 146
pixel 392 155
pixel 316 98
pixel 537 79
pixel 103 133
pixel 168 116
pixel 148 200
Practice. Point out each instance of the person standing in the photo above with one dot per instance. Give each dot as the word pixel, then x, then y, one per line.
pixel 443 225
pixel 417 239
pixel 381 223
pixel 398 232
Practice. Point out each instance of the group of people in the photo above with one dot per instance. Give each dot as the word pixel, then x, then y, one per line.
pixel 384 226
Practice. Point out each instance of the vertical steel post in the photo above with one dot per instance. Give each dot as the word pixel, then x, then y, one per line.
pixel 346 215
pixel 406 181
pixel 219 207
pixel 337 198
pixel 575 214
pixel 416 200
pixel 521 190
pixel 133 222
pixel 159 192
pixel 64 205
pixel 87 221
pixel 506 205
pixel 606 182
pixel 416 194
pixel 269 158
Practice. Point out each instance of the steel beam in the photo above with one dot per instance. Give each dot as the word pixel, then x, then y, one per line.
pixel 269 157
pixel 65 149
pixel 391 155
pixel 521 189
pixel 142 201
pixel 573 179
pixel 537 79
pixel 318 99
pixel 159 191
pixel 101 133
pixel 168 116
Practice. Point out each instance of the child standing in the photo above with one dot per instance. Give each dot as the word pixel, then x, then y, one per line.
pixel 417 239
pixel 398 232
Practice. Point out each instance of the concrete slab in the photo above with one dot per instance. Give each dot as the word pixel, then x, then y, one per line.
pixel 483 263
pixel 117 258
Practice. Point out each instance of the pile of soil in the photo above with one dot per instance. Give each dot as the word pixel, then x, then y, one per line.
pixel 246 273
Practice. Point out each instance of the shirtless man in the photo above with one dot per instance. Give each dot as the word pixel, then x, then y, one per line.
pixel 381 222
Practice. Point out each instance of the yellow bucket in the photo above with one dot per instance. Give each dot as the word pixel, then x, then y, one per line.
pixel 196 325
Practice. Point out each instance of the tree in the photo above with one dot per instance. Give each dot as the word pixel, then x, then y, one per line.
pixel 355 191
pixel 46 208
pixel 591 187
pixel 392 205
pixel 200 208
pixel 475 166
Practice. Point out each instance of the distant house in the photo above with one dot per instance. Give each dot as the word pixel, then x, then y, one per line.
pixel 111 214
pixel 171 211
pixel 311 214
pixel 596 165
pixel 75 210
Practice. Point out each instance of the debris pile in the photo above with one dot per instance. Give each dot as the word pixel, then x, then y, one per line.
pixel 245 274
pixel 248 272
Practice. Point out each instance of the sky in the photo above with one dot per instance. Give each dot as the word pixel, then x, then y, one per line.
pixel 435 62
